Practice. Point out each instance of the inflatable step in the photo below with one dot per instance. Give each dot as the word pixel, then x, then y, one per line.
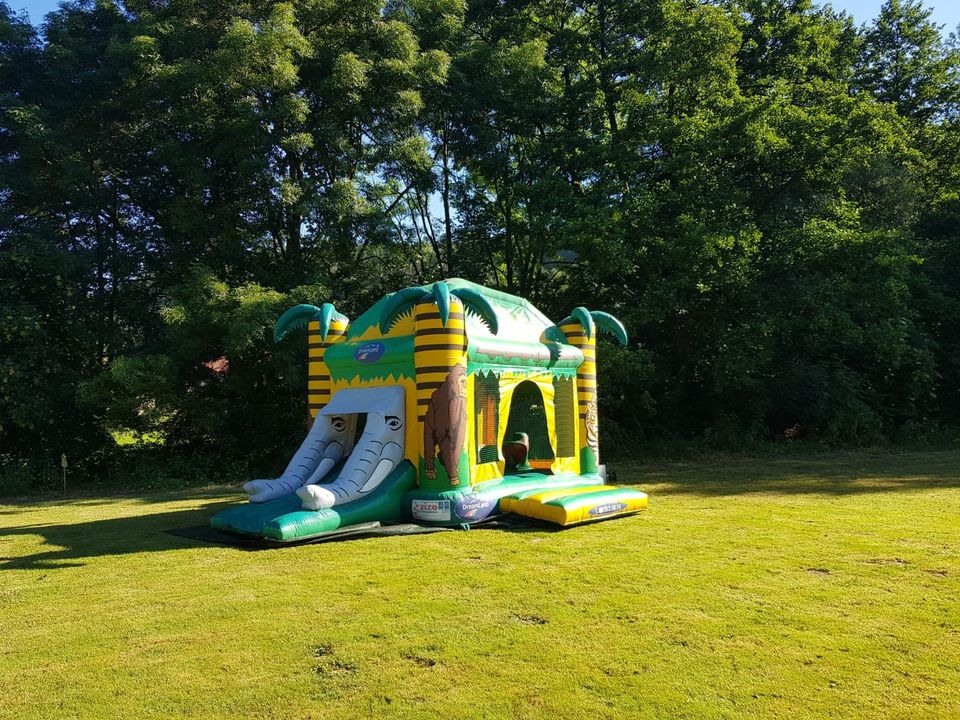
pixel 568 506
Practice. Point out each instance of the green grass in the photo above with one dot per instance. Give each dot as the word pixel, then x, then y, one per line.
pixel 826 587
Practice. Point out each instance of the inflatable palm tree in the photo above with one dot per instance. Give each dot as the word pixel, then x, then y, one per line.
pixel 440 346
pixel 325 327
pixel 440 294
pixel 580 329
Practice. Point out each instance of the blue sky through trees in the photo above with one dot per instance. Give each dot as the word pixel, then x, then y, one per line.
pixel 945 12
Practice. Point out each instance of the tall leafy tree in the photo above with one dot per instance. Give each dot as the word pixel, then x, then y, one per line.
pixel 765 193
pixel 907 62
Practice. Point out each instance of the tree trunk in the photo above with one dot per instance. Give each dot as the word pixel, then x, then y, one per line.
pixel 447 223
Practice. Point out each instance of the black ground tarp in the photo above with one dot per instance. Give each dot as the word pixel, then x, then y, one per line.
pixel 205 533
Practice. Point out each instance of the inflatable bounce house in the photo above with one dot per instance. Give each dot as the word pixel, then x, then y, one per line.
pixel 441 405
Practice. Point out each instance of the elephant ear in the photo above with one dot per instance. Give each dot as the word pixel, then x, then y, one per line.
pixel 293 319
pixel 609 324
pixel 582 316
pixel 328 313
pixel 398 304
pixel 477 304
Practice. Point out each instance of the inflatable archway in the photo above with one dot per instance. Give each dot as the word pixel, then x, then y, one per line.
pixel 443 404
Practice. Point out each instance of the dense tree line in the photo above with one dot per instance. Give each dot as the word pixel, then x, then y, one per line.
pixel 767 195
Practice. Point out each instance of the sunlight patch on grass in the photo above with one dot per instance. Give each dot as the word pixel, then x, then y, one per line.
pixel 748 589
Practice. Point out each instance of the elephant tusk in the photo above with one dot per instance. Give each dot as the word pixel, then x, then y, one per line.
pixel 380 472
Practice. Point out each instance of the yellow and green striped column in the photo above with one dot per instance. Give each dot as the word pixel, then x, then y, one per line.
pixel 586 393
pixel 438 348
pixel 319 384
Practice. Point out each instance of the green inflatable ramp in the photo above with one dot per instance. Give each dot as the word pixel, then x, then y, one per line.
pixel 284 520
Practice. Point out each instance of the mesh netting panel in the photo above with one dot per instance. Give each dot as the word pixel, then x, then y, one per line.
pixel 564 410
pixel 528 415
pixel 486 408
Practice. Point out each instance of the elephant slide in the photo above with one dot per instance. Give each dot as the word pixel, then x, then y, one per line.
pixel 329 441
pixel 326 486
pixel 284 519
pixel 378 452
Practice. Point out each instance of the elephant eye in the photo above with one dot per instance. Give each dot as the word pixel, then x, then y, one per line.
pixel 393 422
pixel 338 423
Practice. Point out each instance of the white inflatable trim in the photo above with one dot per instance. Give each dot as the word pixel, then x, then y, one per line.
pixel 377 400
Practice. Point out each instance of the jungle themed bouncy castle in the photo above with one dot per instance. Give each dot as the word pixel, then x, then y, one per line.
pixel 444 404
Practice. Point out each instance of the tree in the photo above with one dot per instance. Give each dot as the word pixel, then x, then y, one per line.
pixel 906 62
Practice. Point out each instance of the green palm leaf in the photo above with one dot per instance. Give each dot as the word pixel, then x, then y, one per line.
pixel 582 316
pixel 299 316
pixel 328 313
pixel 555 334
pixel 402 301
pixel 441 294
pixel 609 324
pixel 293 319
pixel 398 305
pixel 477 304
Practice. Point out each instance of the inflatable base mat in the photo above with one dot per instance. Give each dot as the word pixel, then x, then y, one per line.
pixel 207 534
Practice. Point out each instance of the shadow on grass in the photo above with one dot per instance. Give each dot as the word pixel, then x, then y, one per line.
pixel 69 543
pixel 93 496
pixel 833 475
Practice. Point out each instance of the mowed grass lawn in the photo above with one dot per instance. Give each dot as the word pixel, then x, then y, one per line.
pixel 825 587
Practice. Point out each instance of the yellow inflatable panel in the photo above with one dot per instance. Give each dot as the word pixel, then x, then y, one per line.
pixel 568 506
pixel 529 504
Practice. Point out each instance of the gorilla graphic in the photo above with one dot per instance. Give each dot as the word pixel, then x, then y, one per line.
pixel 445 424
